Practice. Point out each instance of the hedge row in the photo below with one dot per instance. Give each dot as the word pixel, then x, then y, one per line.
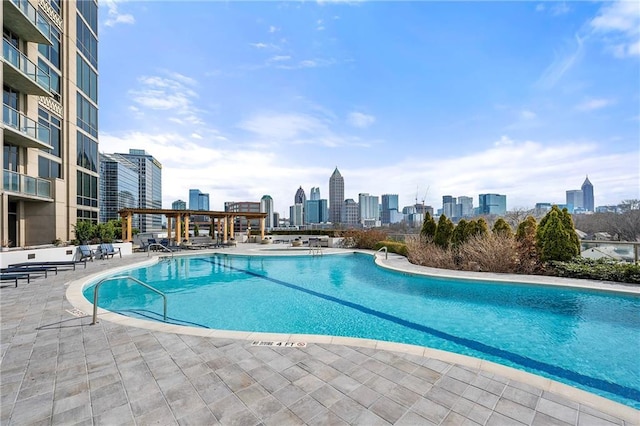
pixel 393 247
pixel 601 269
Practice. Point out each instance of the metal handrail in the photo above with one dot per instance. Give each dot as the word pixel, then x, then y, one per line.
pixel 165 248
pixel 386 252
pixel 127 277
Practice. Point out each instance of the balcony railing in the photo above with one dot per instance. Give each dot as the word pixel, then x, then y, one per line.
pixel 26 185
pixel 33 17
pixel 25 65
pixel 27 127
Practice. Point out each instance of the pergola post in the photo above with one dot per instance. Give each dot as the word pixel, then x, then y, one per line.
pixel 262 228
pixel 178 226
pixel 129 236
pixel 169 223
pixel 232 227
pixel 186 228
pixel 224 230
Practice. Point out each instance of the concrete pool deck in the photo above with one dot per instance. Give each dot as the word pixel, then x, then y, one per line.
pixel 56 368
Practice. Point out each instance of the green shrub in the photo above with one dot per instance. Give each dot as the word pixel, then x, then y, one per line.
pixel 393 247
pixel 429 226
pixel 444 232
pixel 84 230
pixel 600 269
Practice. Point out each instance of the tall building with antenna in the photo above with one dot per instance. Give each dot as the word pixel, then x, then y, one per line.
pixel 336 196
pixel 587 195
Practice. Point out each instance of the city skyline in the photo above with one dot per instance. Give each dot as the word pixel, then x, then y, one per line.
pixel 405 97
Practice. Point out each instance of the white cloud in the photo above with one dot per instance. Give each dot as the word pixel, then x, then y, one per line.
pixel 563 62
pixel 114 16
pixel 507 167
pixel 619 24
pixel 540 7
pixel 273 29
pixel 360 120
pixel 171 92
pixel 319 25
pixel 594 104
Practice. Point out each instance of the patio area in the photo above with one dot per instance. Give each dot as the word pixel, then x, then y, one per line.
pixel 56 368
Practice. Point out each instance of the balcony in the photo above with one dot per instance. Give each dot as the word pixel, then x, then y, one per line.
pixel 24 20
pixel 28 187
pixel 20 130
pixel 22 74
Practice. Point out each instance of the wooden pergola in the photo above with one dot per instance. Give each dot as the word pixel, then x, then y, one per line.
pixel 223 221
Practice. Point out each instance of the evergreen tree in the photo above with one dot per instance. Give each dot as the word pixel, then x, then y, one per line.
pixel 528 259
pixel 556 238
pixel 567 222
pixel 429 226
pixel 196 230
pixel 444 231
pixel 459 235
pixel 501 227
pixel 483 229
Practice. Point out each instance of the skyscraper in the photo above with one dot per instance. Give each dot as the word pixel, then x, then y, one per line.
pixel 50 129
pixel 587 194
pixel 390 208
pixel 118 186
pixel 575 200
pixel 495 204
pixel 198 200
pixel 350 212
pixel 368 205
pixel 300 196
pixel 266 206
pixel 149 188
pixel 316 211
pixel 336 197
pixel 315 193
pixel 449 206
pixel 464 206
pixel 179 205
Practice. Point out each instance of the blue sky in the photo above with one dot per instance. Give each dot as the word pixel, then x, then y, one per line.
pixel 419 99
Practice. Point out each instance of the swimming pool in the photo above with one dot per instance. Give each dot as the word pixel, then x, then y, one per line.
pixel 587 339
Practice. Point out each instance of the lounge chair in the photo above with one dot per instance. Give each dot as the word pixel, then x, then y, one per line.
pixel 71 264
pixel 106 249
pixel 86 253
pixel 14 277
pixel 44 270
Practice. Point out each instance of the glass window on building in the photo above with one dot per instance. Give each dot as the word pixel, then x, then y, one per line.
pixel 48 168
pixel 87 43
pixel 87 116
pixel 56 5
pixel 54 124
pixel 89 11
pixel 87 188
pixel 10 155
pixel 52 53
pixel 87 79
pixel 87 152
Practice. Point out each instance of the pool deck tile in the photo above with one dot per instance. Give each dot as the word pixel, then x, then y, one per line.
pixel 57 368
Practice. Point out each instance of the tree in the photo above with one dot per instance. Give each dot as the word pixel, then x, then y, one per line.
pixel 477 228
pixel 556 238
pixel 444 231
pixel 429 226
pixel 501 227
pixel 459 235
pixel 528 259
pixel 196 230
pixel 84 230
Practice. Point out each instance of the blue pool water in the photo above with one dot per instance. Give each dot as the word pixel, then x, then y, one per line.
pixel 587 339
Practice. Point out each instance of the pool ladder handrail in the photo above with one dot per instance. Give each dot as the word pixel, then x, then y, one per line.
pixel 386 252
pixel 165 248
pixel 123 277
pixel 315 249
